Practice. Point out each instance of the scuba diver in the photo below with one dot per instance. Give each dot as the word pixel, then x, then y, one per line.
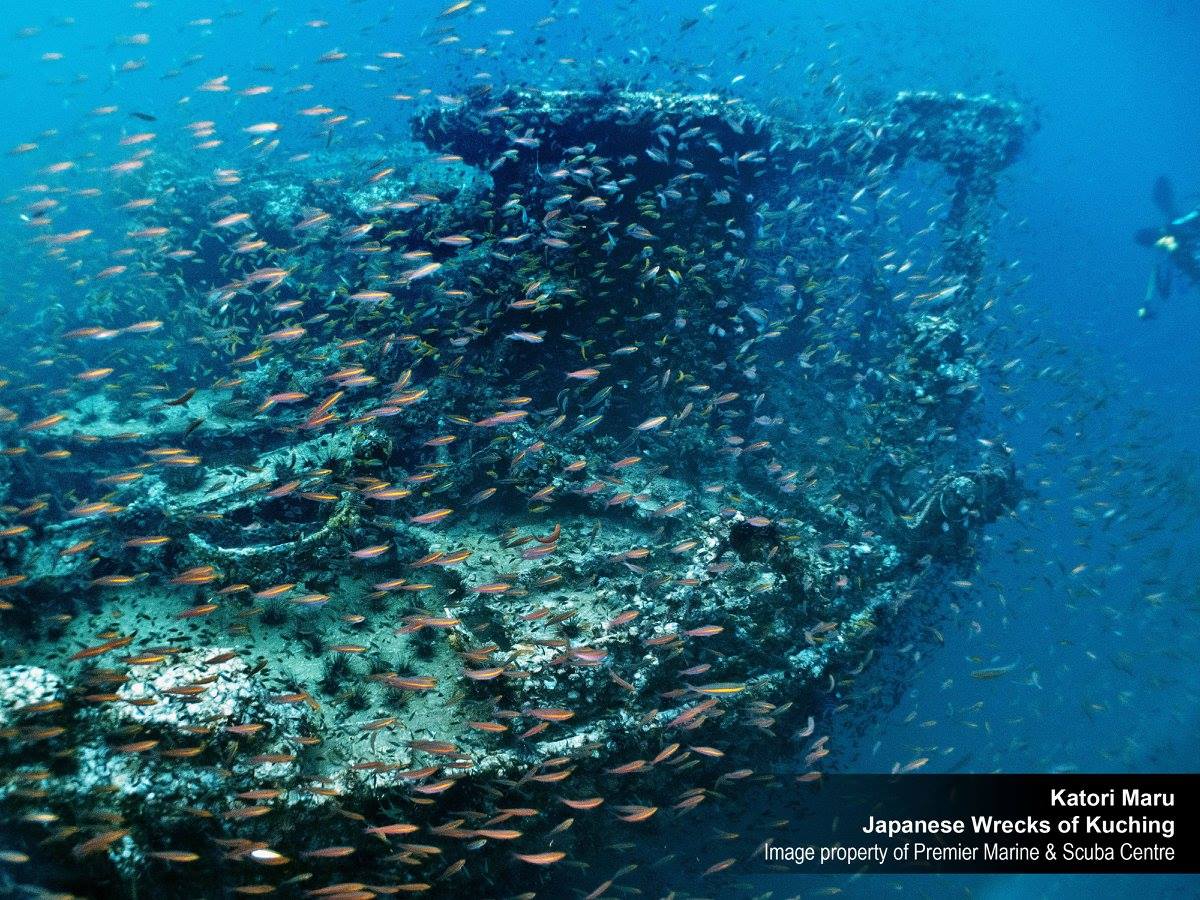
pixel 1179 238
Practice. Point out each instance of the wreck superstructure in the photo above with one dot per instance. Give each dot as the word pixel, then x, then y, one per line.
pixel 619 427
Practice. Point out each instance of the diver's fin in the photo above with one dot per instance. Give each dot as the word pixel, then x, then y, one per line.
pixel 1158 286
pixel 1145 311
pixel 1162 281
pixel 1147 236
pixel 1164 197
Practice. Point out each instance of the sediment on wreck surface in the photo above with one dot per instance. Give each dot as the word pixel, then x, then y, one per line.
pixel 704 417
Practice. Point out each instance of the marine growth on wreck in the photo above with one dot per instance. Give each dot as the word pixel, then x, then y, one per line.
pixel 422 517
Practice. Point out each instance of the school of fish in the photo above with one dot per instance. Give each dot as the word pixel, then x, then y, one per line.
pixel 419 489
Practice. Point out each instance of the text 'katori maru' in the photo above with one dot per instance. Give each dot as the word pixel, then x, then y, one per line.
pixel 1128 797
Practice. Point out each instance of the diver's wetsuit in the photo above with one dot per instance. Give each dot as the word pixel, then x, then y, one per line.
pixel 1184 233
pixel 1180 240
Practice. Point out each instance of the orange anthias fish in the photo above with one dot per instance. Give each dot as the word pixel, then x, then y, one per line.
pixel 419 483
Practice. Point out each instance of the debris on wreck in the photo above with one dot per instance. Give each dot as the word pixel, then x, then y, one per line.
pixel 541 472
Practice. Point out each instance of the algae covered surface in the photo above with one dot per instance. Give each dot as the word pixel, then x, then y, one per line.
pixel 452 504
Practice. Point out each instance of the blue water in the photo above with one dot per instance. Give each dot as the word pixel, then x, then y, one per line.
pixel 1103 659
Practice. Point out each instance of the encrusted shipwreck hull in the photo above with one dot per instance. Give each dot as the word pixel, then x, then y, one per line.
pixel 969 138
pixel 691 386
